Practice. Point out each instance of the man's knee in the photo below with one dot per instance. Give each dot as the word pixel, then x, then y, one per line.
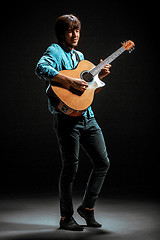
pixel 106 165
pixel 103 166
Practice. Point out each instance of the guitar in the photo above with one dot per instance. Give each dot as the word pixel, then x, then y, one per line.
pixel 74 102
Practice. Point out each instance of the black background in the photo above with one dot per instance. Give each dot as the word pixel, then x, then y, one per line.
pixel 126 109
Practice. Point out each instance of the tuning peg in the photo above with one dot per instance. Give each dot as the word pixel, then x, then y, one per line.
pixel 123 41
pixel 131 50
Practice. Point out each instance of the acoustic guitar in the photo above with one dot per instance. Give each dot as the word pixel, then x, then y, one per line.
pixel 74 102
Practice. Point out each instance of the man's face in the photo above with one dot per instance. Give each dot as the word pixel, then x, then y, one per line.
pixel 71 37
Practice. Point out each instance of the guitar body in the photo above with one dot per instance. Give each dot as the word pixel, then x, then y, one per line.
pixel 74 102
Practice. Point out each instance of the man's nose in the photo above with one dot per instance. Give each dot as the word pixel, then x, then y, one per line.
pixel 74 33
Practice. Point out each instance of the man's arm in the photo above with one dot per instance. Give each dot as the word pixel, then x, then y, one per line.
pixel 48 69
pixel 76 83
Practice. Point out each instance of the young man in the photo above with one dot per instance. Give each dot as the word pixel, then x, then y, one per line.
pixel 74 131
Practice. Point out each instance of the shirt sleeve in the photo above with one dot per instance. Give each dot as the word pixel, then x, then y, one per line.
pixel 47 67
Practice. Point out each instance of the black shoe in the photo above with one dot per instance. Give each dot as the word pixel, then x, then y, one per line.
pixel 88 215
pixel 70 224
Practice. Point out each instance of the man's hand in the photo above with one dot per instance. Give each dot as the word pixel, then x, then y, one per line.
pixel 105 71
pixel 78 84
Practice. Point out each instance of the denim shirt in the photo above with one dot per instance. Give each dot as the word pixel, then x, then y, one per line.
pixel 56 58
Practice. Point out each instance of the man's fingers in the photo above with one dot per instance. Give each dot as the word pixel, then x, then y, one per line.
pixel 84 83
pixel 107 66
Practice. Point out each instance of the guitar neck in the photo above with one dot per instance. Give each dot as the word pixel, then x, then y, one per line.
pixel 96 70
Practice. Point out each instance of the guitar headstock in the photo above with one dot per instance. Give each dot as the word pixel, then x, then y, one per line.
pixel 128 45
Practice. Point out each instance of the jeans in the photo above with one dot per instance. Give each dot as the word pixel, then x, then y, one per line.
pixel 73 132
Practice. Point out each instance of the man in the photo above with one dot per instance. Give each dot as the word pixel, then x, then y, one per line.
pixel 74 131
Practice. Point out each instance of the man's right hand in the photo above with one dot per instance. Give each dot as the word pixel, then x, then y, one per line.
pixel 78 84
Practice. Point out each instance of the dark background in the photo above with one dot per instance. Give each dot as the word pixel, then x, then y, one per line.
pixel 126 109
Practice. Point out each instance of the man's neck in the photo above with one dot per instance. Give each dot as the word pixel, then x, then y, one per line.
pixel 69 47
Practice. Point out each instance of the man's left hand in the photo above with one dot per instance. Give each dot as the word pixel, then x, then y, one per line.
pixel 105 71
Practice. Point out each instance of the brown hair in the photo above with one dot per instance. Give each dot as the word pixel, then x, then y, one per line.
pixel 64 23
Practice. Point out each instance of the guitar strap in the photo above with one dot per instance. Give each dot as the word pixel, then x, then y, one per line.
pixel 77 56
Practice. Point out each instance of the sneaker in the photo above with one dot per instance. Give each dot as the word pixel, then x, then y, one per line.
pixel 70 224
pixel 88 215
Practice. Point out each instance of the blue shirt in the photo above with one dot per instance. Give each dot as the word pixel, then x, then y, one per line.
pixel 56 58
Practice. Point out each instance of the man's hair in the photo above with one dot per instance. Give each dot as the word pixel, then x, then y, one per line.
pixel 64 23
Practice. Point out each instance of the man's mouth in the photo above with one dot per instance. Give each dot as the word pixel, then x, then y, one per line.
pixel 74 40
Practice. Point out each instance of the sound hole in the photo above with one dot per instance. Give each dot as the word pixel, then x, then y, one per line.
pixel 87 76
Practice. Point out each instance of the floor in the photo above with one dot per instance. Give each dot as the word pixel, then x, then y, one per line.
pixel 38 218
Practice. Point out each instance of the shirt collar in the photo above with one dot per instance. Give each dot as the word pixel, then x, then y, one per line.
pixel 65 48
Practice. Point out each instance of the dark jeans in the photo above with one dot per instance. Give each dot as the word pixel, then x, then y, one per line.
pixel 73 132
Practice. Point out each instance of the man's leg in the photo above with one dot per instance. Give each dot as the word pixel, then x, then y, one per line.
pixel 68 140
pixel 94 144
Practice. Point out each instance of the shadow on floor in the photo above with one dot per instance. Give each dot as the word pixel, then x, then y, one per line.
pixel 18 231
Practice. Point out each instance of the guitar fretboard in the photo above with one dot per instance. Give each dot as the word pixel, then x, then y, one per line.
pixel 96 70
